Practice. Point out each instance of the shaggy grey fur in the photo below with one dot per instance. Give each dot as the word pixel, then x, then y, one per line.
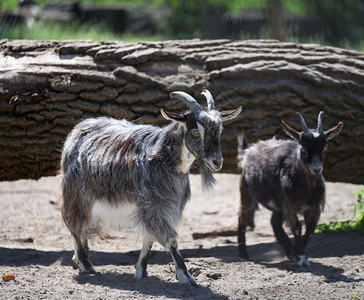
pixel 111 165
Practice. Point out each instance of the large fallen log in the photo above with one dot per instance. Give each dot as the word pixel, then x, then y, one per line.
pixel 46 87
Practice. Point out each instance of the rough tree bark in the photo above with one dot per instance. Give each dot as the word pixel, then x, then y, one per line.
pixel 46 87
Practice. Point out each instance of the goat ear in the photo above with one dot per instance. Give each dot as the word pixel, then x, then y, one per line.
pixel 180 118
pixel 230 114
pixel 291 131
pixel 334 131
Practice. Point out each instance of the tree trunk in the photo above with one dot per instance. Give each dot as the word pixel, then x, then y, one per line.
pixel 274 12
pixel 46 87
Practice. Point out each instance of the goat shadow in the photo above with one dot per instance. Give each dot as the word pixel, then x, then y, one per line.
pixel 114 280
pixel 321 245
pixel 126 281
pixel 269 255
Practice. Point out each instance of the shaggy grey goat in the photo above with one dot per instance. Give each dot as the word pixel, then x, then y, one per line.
pixel 116 173
pixel 285 177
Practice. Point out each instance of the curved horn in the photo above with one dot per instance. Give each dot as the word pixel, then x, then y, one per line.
pixel 187 99
pixel 303 123
pixel 209 99
pixel 319 122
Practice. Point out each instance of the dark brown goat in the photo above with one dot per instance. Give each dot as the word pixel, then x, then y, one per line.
pixel 285 177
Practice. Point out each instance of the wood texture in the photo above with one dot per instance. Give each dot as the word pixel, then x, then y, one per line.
pixel 46 87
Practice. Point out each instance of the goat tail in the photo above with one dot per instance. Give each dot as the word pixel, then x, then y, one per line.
pixel 75 210
pixel 242 145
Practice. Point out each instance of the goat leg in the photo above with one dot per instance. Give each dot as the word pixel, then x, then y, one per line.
pixel 183 276
pixel 80 258
pixel 246 217
pixel 299 245
pixel 311 220
pixel 282 237
pixel 141 265
pixel 241 239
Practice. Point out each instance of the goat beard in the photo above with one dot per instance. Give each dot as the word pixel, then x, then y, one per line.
pixel 207 178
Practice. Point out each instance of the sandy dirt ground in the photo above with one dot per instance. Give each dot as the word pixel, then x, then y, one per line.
pixel 36 247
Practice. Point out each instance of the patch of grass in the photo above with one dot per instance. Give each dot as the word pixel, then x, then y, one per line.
pixel 12 4
pixel 8 4
pixel 344 44
pixel 347 226
pixel 44 30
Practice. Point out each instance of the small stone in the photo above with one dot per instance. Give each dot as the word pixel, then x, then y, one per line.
pixel 214 276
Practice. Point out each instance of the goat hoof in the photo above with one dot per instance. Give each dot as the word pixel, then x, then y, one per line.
pixel 74 265
pixel 75 262
pixel 243 254
pixel 87 270
pixel 302 260
pixel 291 256
pixel 191 281
pixel 140 275
pixel 186 279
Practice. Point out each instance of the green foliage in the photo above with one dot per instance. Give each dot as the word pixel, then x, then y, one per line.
pixel 239 6
pixel 298 7
pixel 8 4
pixel 186 19
pixel 359 207
pixel 347 226
pixel 46 30
pixel 344 20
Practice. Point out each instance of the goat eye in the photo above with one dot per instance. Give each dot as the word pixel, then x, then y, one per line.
pixel 324 150
pixel 303 152
pixel 195 132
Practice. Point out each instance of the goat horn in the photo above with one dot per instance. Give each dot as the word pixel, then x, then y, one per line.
pixel 303 123
pixel 209 99
pixel 319 122
pixel 187 99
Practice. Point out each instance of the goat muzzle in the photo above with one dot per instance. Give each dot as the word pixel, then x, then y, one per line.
pixel 316 170
pixel 214 164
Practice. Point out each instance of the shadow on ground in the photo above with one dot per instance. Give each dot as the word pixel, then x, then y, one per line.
pixel 321 245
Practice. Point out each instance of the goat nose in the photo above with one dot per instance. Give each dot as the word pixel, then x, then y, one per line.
pixel 217 162
pixel 317 171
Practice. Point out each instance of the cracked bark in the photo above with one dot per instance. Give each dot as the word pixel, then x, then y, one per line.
pixel 46 87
